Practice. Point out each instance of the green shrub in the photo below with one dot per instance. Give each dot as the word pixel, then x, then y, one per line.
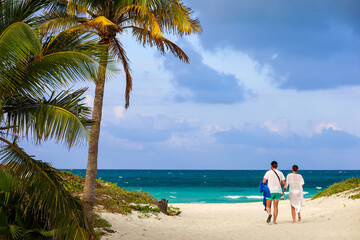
pixel 353 183
pixel 111 197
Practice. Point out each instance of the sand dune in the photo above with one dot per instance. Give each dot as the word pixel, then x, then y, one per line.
pixel 326 218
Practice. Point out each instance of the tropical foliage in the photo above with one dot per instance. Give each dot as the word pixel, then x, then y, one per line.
pixel 34 204
pixel 146 20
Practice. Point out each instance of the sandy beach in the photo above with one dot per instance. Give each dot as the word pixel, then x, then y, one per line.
pixel 325 218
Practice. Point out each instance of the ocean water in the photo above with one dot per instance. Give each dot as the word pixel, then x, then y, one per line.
pixel 212 186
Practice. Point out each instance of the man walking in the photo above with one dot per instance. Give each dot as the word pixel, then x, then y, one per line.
pixel 275 179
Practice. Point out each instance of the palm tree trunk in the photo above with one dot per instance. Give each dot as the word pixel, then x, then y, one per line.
pixel 91 170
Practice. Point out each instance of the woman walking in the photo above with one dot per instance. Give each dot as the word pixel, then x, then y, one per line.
pixel 296 183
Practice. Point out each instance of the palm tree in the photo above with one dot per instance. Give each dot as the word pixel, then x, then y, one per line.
pixel 30 68
pixel 147 20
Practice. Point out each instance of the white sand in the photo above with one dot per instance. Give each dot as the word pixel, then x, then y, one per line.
pixel 326 218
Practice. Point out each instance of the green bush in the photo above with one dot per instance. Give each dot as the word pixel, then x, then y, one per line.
pixel 111 197
pixel 353 183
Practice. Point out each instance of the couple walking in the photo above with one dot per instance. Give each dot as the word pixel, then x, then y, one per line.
pixel 273 193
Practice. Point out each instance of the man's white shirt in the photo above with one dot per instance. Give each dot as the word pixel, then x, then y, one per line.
pixel 273 181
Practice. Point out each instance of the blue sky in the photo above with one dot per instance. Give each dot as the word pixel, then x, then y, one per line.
pixel 275 80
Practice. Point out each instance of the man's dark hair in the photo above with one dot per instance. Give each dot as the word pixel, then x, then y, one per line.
pixel 274 164
pixel 295 168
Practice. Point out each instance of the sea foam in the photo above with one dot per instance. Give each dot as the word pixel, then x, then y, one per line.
pixel 248 197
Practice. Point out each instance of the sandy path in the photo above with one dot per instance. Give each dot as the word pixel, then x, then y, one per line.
pixel 330 218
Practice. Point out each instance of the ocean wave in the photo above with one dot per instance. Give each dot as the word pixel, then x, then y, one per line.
pixel 248 197
pixel 255 197
pixel 318 187
pixel 120 176
pixel 172 197
pixel 306 192
pixel 233 197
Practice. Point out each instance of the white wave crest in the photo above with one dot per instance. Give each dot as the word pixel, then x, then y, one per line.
pixel 248 197
pixel 233 197
pixel 255 197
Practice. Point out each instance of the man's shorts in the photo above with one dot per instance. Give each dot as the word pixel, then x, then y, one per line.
pixel 274 196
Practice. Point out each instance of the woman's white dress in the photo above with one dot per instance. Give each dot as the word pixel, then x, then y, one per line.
pixel 296 195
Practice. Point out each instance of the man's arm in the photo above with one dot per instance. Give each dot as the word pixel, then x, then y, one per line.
pixel 264 180
pixel 283 182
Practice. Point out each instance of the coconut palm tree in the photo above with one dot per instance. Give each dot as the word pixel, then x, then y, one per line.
pixel 36 204
pixel 146 20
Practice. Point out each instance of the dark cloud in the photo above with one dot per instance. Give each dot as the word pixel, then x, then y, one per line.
pixel 201 83
pixel 317 42
pixel 263 138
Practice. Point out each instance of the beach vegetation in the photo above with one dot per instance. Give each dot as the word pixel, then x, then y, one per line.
pixel 145 20
pixel 34 68
pixel 350 187
pixel 111 198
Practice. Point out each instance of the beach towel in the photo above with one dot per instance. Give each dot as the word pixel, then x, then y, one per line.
pixel 265 191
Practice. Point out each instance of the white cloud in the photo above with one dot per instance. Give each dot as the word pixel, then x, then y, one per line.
pixel 119 112
pixel 323 125
pixel 279 126
pixel 274 56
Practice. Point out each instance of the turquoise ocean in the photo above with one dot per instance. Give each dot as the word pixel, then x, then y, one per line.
pixel 212 186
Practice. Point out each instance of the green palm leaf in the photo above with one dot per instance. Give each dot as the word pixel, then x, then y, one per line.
pixel 62 117
pixel 48 195
pixel 12 11
pixel 17 43
pixel 27 67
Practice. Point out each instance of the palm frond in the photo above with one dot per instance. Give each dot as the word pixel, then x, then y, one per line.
pixel 175 18
pixel 118 52
pixel 58 69
pixel 54 22
pixel 61 117
pixel 48 195
pixel 17 43
pixel 73 40
pixel 103 26
pixel 141 16
pixel 27 68
pixel 12 11
pixel 161 43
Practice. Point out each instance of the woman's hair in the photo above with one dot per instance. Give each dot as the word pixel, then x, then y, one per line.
pixel 295 168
